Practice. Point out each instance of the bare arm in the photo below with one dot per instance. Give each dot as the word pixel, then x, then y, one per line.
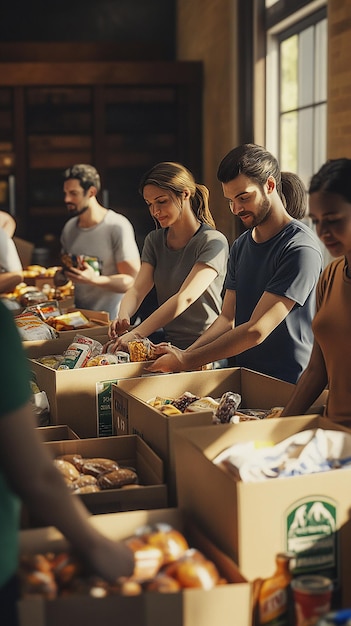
pixel 118 283
pixel 269 312
pixel 310 384
pixel 32 475
pixel 192 288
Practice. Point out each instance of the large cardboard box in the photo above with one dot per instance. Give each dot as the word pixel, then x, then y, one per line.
pixel 253 521
pixel 133 415
pixel 79 398
pixel 225 605
pixel 128 451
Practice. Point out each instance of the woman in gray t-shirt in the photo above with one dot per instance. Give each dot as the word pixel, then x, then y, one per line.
pixel 185 258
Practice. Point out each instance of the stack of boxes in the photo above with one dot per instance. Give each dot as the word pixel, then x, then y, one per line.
pixel 243 525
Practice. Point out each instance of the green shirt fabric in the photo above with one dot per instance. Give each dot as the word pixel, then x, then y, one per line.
pixel 16 392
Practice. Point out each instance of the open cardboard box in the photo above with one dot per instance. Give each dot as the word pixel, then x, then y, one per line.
pixel 98 326
pixel 225 605
pixel 133 415
pixel 56 433
pixel 79 398
pixel 253 521
pixel 128 451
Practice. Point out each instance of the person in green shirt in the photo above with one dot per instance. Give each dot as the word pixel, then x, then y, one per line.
pixel 28 473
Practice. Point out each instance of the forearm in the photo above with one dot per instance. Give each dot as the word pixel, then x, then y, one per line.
pixel 118 283
pixel 227 344
pixel 164 314
pixel 220 326
pixel 309 387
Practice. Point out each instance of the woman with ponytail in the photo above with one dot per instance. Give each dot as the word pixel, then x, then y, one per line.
pixel 185 258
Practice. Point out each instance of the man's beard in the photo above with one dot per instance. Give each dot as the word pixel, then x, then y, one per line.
pixel 263 213
pixel 77 212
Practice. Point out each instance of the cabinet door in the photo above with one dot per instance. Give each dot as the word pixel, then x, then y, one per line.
pixel 7 151
pixel 59 124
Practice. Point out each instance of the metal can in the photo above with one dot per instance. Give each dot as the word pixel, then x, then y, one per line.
pixel 312 598
pixel 336 618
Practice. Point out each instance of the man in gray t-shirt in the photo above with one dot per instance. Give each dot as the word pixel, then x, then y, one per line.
pixel 101 233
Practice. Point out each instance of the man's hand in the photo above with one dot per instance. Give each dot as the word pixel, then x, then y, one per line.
pixel 171 359
pixel 85 276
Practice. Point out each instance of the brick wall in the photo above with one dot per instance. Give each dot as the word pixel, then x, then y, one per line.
pixel 339 79
pixel 206 31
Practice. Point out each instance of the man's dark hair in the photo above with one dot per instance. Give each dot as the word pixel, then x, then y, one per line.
pixel 86 174
pixel 258 164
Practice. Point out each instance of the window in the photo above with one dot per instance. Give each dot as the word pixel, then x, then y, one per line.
pixel 296 87
pixel 303 97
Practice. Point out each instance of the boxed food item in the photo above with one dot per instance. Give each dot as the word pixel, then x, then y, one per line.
pixel 132 414
pixel 80 398
pixel 128 452
pixel 224 604
pixel 253 521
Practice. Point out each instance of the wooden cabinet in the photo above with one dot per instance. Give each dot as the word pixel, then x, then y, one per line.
pixel 121 117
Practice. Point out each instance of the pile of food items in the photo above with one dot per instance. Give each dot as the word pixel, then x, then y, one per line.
pixel 164 562
pixel 87 352
pixel 139 350
pixel 45 318
pixel 89 475
pixel 82 352
pixel 225 409
pixel 26 293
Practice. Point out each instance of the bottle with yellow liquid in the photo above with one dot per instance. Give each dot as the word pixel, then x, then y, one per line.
pixel 274 604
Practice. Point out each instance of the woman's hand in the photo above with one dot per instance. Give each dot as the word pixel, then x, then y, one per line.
pixel 118 327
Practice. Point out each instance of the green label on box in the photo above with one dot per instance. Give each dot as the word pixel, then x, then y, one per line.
pixel 311 533
pixel 104 408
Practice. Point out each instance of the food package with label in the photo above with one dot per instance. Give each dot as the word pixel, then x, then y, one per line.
pixel 33 328
pixel 79 352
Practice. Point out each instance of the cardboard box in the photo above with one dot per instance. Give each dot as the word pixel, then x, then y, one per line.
pixel 56 433
pixel 129 451
pixel 79 398
pixel 99 322
pixel 132 414
pixel 253 521
pixel 25 250
pixel 45 347
pixel 225 605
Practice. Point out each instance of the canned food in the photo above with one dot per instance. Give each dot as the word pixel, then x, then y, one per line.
pixel 312 598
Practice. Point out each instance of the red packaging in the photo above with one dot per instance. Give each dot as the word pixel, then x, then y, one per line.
pixel 312 597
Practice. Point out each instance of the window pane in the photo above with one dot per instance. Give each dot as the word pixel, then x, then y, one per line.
pixel 305 149
pixel 321 61
pixel 306 65
pixel 288 73
pixel 320 136
pixel 288 142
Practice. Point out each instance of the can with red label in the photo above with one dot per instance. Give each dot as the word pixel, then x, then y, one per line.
pixel 312 598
